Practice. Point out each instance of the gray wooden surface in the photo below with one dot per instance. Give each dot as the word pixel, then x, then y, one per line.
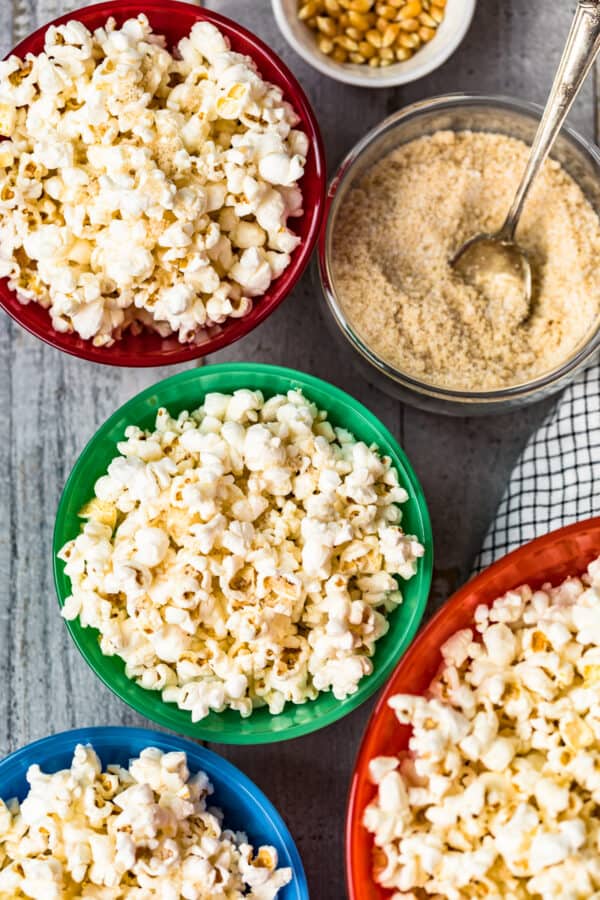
pixel 52 404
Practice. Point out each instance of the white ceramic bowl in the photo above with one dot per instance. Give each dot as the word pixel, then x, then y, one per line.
pixel 449 35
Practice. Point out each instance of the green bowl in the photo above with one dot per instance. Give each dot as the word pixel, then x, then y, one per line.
pixel 186 391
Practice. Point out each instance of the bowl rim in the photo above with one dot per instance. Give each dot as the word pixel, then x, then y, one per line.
pixel 581 528
pixel 456 398
pixel 245 372
pixel 70 343
pixel 198 757
pixel 394 75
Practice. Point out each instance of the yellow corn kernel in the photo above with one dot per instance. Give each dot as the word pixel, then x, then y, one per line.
pixel 366 49
pixel 347 43
pixel 340 55
pixel 325 44
pixel 385 62
pixel 309 10
pixel 411 41
pixel 426 19
pixel 426 34
pixel 327 26
pixel 437 13
pixel 390 35
pixel 359 20
pixel 374 37
pixel 386 53
pixel 333 7
pixel 357 58
pixel 374 62
pixel 385 10
pixel 354 34
pixel 403 53
pixel 344 20
pixel 409 25
pixel 362 6
pixel 412 10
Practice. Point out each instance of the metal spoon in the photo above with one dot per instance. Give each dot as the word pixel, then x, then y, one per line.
pixel 495 263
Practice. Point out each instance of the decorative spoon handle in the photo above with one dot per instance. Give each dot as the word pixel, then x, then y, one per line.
pixel 578 57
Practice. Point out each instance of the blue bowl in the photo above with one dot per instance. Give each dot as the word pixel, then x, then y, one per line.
pixel 245 807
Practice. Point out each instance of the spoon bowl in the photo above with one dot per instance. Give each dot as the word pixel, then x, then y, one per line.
pixel 501 271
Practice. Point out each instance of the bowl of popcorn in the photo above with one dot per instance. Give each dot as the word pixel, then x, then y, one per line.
pixel 477 775
pixel 242 553
pixel 374 43
pixel 162 181
pixel 129 812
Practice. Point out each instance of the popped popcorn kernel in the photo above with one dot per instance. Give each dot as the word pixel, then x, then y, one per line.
pixel 243 554
pixel 499 795
pixel 142 831
pixel 144 187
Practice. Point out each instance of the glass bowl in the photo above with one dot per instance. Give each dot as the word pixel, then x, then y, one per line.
pixel 186 391
pixel 245 806
pixel 579 157
pixel 175 19
pixel 550 558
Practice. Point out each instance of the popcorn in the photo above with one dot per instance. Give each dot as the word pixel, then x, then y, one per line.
pixel 140 186
pixel 145 831
pixel 498 794
pixel 242 555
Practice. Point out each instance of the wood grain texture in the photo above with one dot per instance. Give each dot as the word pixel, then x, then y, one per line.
pixel 51 405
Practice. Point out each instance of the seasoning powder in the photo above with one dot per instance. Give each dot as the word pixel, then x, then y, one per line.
pixel 401 224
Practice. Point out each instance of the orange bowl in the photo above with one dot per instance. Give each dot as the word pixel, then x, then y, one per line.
pixel 549 559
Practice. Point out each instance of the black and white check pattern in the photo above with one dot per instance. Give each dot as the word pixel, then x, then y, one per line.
pixel 557 478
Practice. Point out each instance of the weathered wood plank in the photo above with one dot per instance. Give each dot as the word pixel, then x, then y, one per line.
pixel 50 406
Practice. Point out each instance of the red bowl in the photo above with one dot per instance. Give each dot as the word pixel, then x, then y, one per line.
pixel 551 558
pixel 174 19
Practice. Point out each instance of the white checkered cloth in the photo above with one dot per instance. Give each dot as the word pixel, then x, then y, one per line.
pixel 557 478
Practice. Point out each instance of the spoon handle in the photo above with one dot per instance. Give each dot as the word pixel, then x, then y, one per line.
pixel 578 57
